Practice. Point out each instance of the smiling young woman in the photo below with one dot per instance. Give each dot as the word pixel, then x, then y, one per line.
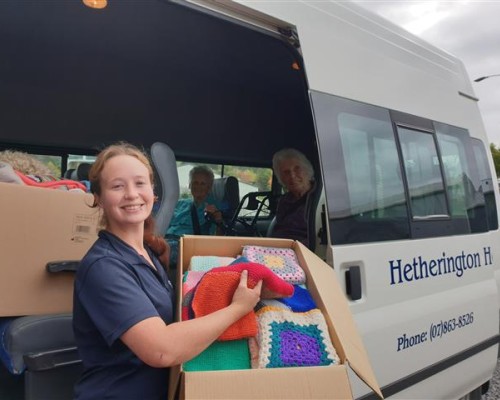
pixel 123 300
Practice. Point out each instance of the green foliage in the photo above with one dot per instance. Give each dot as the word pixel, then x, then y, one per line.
pixel 260 177
pixel 495 152
pixel 52 162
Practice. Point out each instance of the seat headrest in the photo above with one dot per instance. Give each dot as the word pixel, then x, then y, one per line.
pixel 82 171
pixel 69 173
pixel 167 184
pixel 226 191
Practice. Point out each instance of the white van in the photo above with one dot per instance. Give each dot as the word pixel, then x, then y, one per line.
pixel 407 215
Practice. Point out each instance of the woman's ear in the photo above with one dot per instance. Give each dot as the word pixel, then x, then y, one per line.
pixel 97 201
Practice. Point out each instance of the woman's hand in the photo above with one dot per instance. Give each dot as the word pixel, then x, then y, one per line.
pixel 245 298
pixel 214 213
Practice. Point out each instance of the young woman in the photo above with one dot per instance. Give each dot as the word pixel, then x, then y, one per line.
pixel 123 300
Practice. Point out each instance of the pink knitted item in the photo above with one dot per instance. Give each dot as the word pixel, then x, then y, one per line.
pixel 186 309
pixel 272 285
pixel 190 280
pixel 282 261
pixel 214 292
pixel 253 347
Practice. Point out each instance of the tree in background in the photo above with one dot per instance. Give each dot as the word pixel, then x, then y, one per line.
pixel 495 152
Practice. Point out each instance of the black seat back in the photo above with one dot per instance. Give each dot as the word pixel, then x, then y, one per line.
pixel 43 348
pixel 226 191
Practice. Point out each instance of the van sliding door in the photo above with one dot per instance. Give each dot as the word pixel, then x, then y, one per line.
pixel 409 229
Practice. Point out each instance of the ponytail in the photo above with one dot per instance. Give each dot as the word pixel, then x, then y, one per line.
pixel 156 243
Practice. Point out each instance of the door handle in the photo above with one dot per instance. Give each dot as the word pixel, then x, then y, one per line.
pixel 353 282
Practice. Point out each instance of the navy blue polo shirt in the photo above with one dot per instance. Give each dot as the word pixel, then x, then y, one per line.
pixel 115 288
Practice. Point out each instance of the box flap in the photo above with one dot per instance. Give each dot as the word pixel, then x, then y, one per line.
pixel 272 383
pixel 340 315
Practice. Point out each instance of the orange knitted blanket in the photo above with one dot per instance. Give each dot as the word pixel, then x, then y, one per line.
pixel 215 291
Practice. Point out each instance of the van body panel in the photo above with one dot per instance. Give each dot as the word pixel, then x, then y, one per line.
pixel 347 50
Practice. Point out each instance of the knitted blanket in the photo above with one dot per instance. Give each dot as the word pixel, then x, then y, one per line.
pixel 273 286
pixel 288 339
pixel 283 262
pixel 214 292
pixel 190 279
pixel 216 288
pixel 233 354
pixel 301 301
pixel 206 263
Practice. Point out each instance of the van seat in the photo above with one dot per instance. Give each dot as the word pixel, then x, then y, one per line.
pixel 21 336
pixel 226 191
pixel 43 348
pixel 81 173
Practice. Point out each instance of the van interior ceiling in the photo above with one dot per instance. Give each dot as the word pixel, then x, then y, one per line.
pixel 83 78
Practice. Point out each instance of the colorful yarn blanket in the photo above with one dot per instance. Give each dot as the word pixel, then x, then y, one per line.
pixel 288 339
pixel 190 279
pixel 214 292
pixel 66 184
pixel 216 289
pixel 233 354
pixel 301 301
pixel 206 263
pixel 273 286
pixel 282 261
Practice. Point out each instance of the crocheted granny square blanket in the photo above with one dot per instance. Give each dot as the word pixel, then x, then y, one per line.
pixel 288 339
pixel 283 262
pixel 206 263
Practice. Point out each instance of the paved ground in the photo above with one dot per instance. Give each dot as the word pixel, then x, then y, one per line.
pixel 494 391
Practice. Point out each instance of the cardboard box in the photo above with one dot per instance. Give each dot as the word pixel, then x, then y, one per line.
pixel 326 382
pixel 40 225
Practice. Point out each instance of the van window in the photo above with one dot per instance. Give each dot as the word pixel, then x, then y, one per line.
pixel 250 179
pixel 469 182
pixel 363 181
pixel 374 184
pixel 423 174
pixel 75 160
pixel 485 183
pixel 52 162
pixel 456 169
pixel 376 173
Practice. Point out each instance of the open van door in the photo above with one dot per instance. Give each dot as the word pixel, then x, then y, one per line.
pixel 412 227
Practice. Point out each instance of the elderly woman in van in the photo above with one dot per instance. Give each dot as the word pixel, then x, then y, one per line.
pixel 200 215
pixel 296 174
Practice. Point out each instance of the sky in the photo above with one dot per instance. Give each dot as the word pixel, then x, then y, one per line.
pixel 469 30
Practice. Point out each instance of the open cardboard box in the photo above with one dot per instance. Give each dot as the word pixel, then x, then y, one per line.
pixel 40 225
pixel 325 382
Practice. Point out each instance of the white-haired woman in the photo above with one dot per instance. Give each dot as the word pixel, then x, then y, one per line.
pixel 296 174
pixel 189 214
